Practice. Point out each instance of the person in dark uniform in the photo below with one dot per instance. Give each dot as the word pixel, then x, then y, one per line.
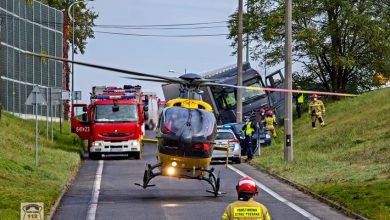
pixel 248 129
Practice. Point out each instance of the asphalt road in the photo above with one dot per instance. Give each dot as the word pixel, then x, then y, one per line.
pixel 171 198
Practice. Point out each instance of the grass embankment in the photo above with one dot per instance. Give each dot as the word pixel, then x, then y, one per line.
pixel 348 160
pixel 20 179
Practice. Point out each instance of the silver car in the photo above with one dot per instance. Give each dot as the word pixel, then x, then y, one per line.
pixel 226 138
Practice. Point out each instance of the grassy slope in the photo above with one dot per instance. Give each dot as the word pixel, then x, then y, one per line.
pixel 347 161
pixel 20 179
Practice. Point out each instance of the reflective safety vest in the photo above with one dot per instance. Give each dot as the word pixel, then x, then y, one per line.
pixel 300 98
pixel 248 129
pixel 228 101
pixel 247 210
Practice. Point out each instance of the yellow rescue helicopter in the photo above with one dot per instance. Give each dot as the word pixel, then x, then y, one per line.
pixel 186 129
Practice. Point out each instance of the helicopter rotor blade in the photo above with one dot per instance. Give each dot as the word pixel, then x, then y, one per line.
pixel 147 79
pixel 169 79
pixel 278 89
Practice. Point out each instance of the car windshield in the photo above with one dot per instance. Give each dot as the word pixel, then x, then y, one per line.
pixel 224 136
pixel 249 94
pixel 238 127
pixel 188 122
pixel 125 113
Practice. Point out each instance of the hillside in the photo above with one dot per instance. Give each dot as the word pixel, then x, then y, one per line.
pixel 348 160
pixel 20 179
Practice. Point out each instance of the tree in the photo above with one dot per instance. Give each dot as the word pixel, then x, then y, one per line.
pixel 340 43
pixel 84 21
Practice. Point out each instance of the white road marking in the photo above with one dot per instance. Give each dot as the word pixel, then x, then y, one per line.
pixel 91 214
pixel 277 196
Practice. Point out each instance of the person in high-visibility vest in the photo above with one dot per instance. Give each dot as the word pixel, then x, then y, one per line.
pixel 299 98
pixel 246 207
pixel 248 129
pixel 316 111
pixel 228 101
pixel 269 123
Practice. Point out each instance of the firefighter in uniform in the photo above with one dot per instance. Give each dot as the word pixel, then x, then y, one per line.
pixel 248 129
pixel 316 111
pixel 269 123
pixel 260 116
pixel 246 208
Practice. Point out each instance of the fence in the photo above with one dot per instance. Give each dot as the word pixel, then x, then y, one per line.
pixel 35 27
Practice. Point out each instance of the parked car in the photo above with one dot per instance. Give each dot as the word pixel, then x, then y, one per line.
pixel 226 137
pixel 264 137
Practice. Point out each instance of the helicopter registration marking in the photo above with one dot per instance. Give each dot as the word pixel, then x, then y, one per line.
pixel 246 212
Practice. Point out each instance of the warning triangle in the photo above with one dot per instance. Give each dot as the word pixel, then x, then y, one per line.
pixel 35 97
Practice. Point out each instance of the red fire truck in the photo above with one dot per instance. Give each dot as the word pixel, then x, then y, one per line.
pixel 112 122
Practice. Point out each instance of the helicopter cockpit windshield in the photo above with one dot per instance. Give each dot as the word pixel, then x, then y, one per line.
pixel 200 124
pixel 187 129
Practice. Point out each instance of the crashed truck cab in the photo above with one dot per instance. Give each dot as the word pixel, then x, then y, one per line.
pixel 112 122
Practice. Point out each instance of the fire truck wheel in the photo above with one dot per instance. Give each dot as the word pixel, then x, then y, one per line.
pixel 94 156
pixel 137 155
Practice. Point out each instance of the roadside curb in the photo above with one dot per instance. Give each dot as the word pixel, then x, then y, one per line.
pixel 64 190
pixel 304 189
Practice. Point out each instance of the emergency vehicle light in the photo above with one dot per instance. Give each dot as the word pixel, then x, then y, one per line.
pixel 227 127
pixel 120 90
pixel 115 97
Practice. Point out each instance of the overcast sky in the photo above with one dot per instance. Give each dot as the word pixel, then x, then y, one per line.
pixel 155 55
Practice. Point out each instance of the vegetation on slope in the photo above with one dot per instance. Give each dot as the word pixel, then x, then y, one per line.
pixel 20 179
pixel 348 160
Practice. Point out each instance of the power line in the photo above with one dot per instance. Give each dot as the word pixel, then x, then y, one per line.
pixel 6 15
pixel 179 26
pixel 161 35
pixel 166 25
pixel 160 28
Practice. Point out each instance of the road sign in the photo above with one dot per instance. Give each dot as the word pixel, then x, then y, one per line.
pixel 65 95
pixel 35 97
pixel 77 95
pixel 55 96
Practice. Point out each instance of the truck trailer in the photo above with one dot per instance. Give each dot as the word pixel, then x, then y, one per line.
pixel 223 100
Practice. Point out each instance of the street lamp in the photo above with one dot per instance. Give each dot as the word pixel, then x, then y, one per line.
pixel 174 71
pixel 71 18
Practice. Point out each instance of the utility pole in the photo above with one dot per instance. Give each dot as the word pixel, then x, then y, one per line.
pixel 247 38
pixel 288 133
pixel 239 61
pixel 73 52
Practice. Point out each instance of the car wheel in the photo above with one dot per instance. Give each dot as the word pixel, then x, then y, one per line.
pixel 237 160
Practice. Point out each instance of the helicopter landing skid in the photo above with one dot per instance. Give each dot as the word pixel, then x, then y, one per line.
pixel 149 175
pixel 213 181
